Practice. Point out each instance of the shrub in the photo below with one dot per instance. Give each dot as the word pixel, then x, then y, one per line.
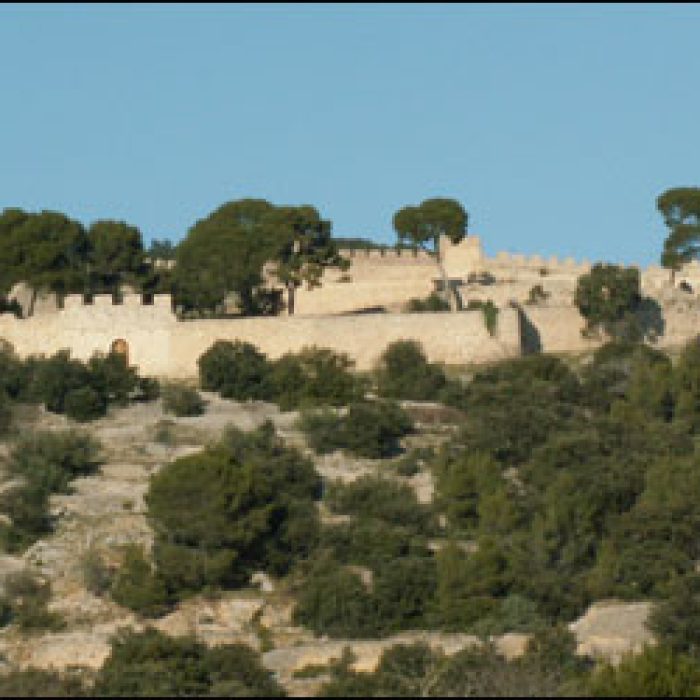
pixel 147 389
pixel 608 297
pixel 50 460
pixel 5 413
pixel 404 373
pixel 381 499
pixel 112 378
pixel 84 404
pixel 490 312
pixel 656 672
pixel 240 506
pixel 137 587
pixel 56 377
pixel 38 683
pixel 96 575
pixel 537 295
pixel 335 602
pixel 182 400
pixel 151 664
pixel 432 303
pixel 368 429
pixel 236 370
pixel 28 599
pixel 314 377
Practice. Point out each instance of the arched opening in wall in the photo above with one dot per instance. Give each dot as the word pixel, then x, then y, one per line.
pixel 120 347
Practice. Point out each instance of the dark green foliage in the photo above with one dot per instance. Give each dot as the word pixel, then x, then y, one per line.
pixel 514 405
pixel 367 429
pixel 381 499
pixel 680 208
pixel 150 664
pixel 56 377
pixel 335 602
pixel 490 312
pixel 46 462
pixel 112 378
pixel 674 621
pixel 115 256
pixel 38 683
pixel 417 671
pixel 81 390
pixel 27 598
pixel 84 404
pixel 404 373
pixel 182 400
pixel 162 249
pixel 432 303
pixel 314 377
pixel 371 542
pixel 658 672
pixel 656 538
pixel 622 370
pixel 424 225
pixel 235 370
pixel 686 386
pixel 52 459
pixel 138 587
pixel 241 505
pixel 5 412
pixel 226 252
pixel 46 250
pixel 608 297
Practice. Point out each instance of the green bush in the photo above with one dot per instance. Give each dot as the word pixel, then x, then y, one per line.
pixel 28 599
pixel 380 499
pixel 46 462
pixel 608 297
pixel 335 602
pixel 27 509
pixel 137 587
pixel 658 672
pixel 5 413
pixel 112 378
pixel 56 377
pixel 149 663
pixel 84 404
pixel 97 576
pixel 368 429
pixel 38 683
pixel 490 312
pixel 404 373
pixel 242 505
pixel 432 303
pixel 52 459
pixel 182 400
pixel 674 620
pixel 314 377
pixel 235 370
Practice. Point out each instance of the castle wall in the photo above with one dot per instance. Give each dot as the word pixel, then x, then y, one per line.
pixel 162 346
pixel 449 338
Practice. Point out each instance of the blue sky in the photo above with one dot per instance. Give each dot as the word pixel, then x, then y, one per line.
pixel 555 125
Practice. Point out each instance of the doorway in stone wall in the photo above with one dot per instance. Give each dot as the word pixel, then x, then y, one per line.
pixel 120 347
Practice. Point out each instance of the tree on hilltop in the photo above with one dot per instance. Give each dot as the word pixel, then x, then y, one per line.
pixel 47 250
pixel 228 250
pixel 422 226
pixel 303 248
pixel 680 207
pixel 115 255
pixel 608 297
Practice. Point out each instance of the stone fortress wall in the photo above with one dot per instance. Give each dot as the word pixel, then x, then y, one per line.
pixel 332 315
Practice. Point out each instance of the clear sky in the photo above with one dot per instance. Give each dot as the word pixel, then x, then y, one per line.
pixel 555 125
